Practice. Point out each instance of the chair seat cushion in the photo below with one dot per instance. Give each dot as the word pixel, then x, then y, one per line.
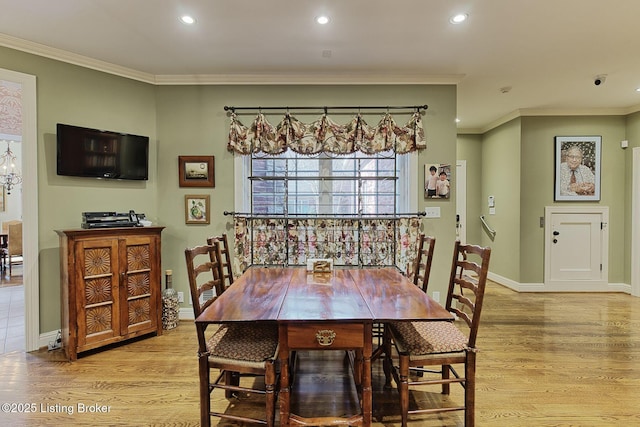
pixel 244 342
pixel 424 338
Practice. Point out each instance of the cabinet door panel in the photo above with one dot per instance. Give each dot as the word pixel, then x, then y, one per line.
pixel 98 294
pixel 139 302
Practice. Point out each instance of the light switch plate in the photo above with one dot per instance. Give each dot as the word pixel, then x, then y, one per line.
pixel 432 212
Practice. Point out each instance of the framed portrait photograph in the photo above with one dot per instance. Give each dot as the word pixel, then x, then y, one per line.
pixel 196 209
pixel 437 181
pixel 577 168
pixel 196 171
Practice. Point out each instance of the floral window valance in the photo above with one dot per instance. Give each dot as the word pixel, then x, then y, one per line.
pixel 325 135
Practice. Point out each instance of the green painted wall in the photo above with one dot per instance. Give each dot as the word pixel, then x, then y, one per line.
pixel 469 148
pixel 501 178
pixel 517 162
pixel 79 96
pixel 538 183
pixel 191 121
pixel 186 120
pixel 513 162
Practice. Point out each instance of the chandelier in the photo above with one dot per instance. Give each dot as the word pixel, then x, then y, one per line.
pixel 9 175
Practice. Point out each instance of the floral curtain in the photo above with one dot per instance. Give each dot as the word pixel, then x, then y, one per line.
pixel 348 241
pixel 325 135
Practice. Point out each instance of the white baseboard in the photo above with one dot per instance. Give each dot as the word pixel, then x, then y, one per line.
pixel 541 287
pixel 186 313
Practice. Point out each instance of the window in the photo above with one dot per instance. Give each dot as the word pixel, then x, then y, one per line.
pixel 328 184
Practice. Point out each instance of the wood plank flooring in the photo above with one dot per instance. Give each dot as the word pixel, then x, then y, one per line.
pixel 545 360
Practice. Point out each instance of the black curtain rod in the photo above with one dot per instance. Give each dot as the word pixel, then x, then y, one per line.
pixel 325 108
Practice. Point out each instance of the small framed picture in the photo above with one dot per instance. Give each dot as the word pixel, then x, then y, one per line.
pixel 577 168
pixel 437 181
pixel 196 209
pixel 196 171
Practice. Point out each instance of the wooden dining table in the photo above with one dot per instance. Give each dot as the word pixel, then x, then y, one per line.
pixel 324 311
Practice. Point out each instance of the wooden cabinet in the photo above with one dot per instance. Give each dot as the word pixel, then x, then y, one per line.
pixel 110 286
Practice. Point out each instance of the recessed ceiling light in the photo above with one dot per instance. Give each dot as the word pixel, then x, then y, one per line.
pixel 186 19
pixel 457 120
pixel 322 20
pixel 459 18
pixel 638 89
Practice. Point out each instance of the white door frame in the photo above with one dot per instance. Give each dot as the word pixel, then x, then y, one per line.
pixel 461 199
pixel 635 224
pixel 552 286
pixel 30 272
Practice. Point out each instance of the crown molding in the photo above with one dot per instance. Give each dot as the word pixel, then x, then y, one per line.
pixel 351 78
pixel 73 58
pixel 541 112
pixel 306 78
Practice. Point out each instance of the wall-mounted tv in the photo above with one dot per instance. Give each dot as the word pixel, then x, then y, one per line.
pixel 101 154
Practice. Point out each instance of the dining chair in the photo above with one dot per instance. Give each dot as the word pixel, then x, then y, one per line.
pixel 421 269
pixel 418 273
pixel 421 344
pixel 227 264
pixel 14 245
pixel 234 349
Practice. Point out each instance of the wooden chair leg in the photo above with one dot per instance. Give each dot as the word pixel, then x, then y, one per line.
pixel 387 361
pixel 446 371
pixel 231 378
pixel 403 389
pixel 205 396
pixel 270 386
pixel 470 390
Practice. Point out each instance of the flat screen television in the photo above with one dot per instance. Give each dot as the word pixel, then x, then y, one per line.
pixel 101 154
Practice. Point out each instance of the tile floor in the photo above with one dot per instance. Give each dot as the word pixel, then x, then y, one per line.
pixel 12 319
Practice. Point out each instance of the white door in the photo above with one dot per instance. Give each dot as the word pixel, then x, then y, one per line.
pixel 576 249
pixel 461 200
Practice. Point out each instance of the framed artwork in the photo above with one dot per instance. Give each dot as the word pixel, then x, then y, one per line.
pixel 577 168
pixel 437 181
pixel 196 209
pixel 196 171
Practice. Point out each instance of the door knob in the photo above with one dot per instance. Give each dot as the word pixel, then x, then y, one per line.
pixel 556 233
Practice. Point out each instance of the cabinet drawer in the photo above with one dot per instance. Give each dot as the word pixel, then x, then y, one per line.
pixel 327 336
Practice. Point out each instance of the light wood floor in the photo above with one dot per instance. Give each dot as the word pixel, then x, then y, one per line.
pixel 545 360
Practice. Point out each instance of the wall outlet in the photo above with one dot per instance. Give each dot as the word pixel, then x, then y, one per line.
pixel 436 296
pixel 180 296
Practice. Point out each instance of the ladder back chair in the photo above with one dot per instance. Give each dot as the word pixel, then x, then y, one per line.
pixel 12 253
pixel 421 270
pixel 441 343
pixel 227 264
pixel 233 349
pixel 419 274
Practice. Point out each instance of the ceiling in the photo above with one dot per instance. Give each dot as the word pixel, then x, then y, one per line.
pixel 510 58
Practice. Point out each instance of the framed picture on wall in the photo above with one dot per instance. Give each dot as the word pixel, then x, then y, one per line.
pixel 577 168
pixel 196 209
pixel 437 181
pixel 196 171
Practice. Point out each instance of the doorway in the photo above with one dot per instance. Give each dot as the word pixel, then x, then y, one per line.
pixel 28 162
pixel 461 201
pixel 576 248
